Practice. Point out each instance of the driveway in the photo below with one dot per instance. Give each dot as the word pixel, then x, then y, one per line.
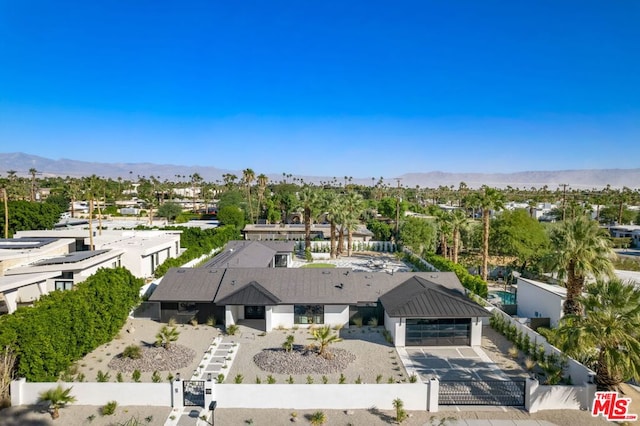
pixel 451 363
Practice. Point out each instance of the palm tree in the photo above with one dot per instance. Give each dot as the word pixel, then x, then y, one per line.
pixel 579 249
pixel 309 199
pixel 487 200
pixel 443 219
pixel 332 209
pixel 324 337
pixel 263 180
pixel 166 336
pixel 353 209
pixel 608 334
pixel 57 398
pixel 248 176
pixel 458 221
pixel 196 180
pixel 33 172
pixel 6 211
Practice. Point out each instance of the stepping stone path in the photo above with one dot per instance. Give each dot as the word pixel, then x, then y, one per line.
pixel 216 360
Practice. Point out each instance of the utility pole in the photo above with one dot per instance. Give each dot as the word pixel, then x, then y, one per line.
pixel 564 200
pixel 398 210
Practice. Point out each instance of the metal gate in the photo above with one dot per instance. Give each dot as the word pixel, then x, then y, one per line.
pixel 193 393
pixel 482 392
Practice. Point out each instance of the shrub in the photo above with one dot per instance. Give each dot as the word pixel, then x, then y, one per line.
pixel 238 379
pixel 379 378
pixel 83 321
pixel 220 378
pixel 193 321
pixel 211 321
pixel 288 343
pixel 342 380
pixel 309 380
pixel 358 380
pixel 318 418
pixel 373 322
pixel 109 408
pixel 258 381
pixel 413 378
pixel 136 375
pixel 513 352
pixel 132 351
pixel 119 378
pixel 325 380
pixel 102 377
pixel 401 414
pixel 232 329
pixel 357 321
pixel 155 377
pixel 290 380
pixel 270 379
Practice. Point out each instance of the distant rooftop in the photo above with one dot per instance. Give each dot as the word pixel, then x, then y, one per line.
pixel 24 243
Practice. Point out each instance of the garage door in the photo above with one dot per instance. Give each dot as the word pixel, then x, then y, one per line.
pixel 438 332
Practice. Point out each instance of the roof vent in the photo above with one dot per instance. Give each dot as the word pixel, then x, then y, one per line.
pixel 213 271
pixel 326 272
pixel 340 286
pixel 180 271
pixel 233 282
pixel 434 276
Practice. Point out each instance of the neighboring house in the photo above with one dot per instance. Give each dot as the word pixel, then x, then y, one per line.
pixel 296 232
pixel 254 254
pixel 143 251
pixel 25 284
pixel 627 231
pixel 540 300
pixel 422 308
pixel 17 252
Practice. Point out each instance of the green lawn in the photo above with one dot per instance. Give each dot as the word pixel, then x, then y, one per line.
pixel 319 265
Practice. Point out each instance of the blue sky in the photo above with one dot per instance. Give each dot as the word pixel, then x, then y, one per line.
pixel 364 88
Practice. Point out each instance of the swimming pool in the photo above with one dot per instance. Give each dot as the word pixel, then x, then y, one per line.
pixel 506 297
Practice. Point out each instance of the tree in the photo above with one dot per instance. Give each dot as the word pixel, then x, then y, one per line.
pixel 7 365
pixel 608 335
pixel 353 209
pixel 516 233
pixel 166 336
pixel 33 172
pixel 445 230
pixel 57 398
pixel 263 180
pixel 381 231
pixel 324 337
pixel 60 200
pixel 489 199
pixel 26 215
pixel 459 222
pixel 196 180
pixel 231 215
pixel 331 207
pixel 309 199
pixel 169 210
pixel 418 234
pixel 579 248
pixel 248 176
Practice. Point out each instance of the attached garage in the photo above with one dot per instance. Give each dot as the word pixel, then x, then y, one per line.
pixel 438 332
pixel 422 313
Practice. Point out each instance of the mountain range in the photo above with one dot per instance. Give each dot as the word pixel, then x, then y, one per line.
pixel 577 179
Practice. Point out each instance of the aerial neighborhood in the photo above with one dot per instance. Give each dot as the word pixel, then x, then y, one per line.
pixel 252 300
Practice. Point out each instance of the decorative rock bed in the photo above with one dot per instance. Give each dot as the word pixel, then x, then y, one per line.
pixel 301 361
pixel 155 358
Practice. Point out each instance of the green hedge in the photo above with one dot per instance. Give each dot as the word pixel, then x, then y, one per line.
pixel 471 282
pixel 64 326
pixel 198 242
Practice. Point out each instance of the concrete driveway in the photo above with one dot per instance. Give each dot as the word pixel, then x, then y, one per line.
pixel 451 363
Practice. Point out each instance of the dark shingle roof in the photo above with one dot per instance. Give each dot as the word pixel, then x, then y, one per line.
pixel 251 294
pixel 249 254
pixel 419 297
pixel 188 285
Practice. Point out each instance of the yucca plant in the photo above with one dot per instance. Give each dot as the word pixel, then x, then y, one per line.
pixel 166 336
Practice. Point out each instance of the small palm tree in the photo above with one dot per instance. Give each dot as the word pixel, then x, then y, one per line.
pixel 166 336
pixel 324 337
pixel 288 343
pixel 57 398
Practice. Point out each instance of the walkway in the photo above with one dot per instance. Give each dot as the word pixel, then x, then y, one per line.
pixel 215 364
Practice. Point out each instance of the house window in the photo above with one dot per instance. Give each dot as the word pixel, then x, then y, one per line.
pixel 185 307
pixel 281 260
pixel 308 314
pixel 63 285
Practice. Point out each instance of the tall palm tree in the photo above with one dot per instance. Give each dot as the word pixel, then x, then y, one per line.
pixel 309 199
pixel 196 180
pixel 248 176
pixel 579 249
pixel 459 221
pixel 353 209
pixel 488 199
pixel 608 334
pixel 332 209
pixel 443 219
pixel 6 211
pixel 33 172
pixel 263 180
pixel 57 398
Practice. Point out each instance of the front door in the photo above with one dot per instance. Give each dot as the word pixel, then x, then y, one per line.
pixel 254 312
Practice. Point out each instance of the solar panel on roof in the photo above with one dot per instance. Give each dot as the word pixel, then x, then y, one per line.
pixel 77 256
pixel 24 243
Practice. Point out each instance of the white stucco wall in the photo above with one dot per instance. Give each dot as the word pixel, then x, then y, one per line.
pixel 476 331
pixel 535 301
pixel 154 394
pixel 397 328
pixel 301 397
pixel 336 315
pixel 232 314
pixel 281 316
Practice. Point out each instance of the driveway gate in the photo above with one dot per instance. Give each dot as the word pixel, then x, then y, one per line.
pixel 193 391
pixel 482 392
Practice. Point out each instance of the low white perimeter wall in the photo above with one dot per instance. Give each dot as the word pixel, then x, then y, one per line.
pixel 305 397
pixel 154 394
pixel 560 397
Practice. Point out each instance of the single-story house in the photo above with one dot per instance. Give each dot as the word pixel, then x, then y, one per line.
pixel 254 254
pixel 296 232
pixel 418 308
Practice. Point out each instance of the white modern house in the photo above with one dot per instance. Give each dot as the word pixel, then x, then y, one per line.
pixel 540 300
